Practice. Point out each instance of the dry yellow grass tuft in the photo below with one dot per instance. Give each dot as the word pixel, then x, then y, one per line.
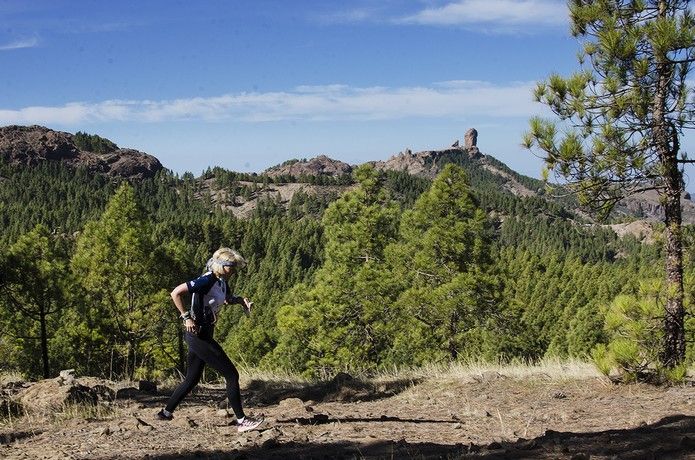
pixel 546 369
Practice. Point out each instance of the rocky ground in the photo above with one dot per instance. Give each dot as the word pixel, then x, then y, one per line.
pixel 480 415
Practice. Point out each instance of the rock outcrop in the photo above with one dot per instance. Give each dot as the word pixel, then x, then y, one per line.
pixel 647 205
pixel 319 166
pixel 32 145
pixel 427 163
pixel 471 143
pixel 470 138
pixel 54 395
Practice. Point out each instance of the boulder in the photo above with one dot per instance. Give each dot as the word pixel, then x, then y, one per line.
pixel 292 406
pixel 104 393
pixel 67 377
pixel 127 393
pixel 54 394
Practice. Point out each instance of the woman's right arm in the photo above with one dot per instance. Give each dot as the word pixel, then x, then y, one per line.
pixel 177 296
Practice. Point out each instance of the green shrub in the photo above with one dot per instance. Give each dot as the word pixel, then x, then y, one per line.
pixel 634 326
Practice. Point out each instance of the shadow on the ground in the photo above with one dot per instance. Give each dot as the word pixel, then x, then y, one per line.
pixel 322 419
pixel 670 438
pixel 12 436
pixel 342 387
pixel 201 395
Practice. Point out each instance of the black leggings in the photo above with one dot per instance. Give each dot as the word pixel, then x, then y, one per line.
pixel 202 349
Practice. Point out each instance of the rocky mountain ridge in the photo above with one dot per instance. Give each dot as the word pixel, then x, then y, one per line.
pixel 31 145
pixel 317 166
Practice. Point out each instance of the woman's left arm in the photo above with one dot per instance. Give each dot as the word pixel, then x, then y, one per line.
pixel 243 301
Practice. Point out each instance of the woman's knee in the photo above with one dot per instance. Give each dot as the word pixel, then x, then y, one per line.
pixel 231 375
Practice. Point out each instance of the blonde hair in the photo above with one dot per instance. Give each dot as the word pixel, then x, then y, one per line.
pixel 225 257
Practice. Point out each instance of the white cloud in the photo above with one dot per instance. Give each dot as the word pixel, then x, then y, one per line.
pixel 495 13
pixel 330 102
pixel 19 44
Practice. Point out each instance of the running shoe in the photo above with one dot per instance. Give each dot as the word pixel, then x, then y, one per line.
pixel 162 416
pixel 249 423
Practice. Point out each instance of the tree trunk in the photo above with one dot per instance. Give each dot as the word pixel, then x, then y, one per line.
pixel 453 330
pixel 665 139
pixel 674 328
pixel 44 341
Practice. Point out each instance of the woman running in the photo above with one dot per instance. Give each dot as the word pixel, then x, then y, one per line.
pixel 208 293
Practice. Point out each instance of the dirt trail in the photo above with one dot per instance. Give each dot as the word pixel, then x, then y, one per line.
pixel 490 417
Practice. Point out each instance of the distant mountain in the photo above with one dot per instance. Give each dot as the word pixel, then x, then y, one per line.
pixel 318 166
pixel 428 164
pixel 31 145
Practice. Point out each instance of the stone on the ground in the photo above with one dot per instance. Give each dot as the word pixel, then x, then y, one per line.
pixel 223 413
pixel 104 393
pixel 66 377
pixel 127 393
pixel 53 395
pixel 293 406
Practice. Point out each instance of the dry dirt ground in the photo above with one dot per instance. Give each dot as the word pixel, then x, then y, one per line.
pixel 486 415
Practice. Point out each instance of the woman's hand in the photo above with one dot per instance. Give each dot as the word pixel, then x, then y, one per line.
pixel 246 305
pixel 190 326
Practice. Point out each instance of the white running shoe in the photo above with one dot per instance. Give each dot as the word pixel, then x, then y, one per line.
pixel 249 423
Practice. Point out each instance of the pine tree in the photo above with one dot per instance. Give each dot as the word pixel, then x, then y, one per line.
pixel 33 285
pixel 443 259
pixel 624 115
pixel 342 318
pixel 118 273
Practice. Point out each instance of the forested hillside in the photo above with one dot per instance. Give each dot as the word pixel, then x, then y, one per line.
pixel 397 270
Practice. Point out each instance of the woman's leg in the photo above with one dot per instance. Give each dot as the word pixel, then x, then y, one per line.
pixel 212 353
pixel 194 370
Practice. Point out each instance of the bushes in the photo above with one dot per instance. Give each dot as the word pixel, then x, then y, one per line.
pixel 634 325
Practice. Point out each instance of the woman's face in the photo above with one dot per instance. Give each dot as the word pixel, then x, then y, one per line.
pixel 227 272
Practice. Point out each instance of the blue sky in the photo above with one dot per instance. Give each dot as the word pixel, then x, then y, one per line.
pixel 248 84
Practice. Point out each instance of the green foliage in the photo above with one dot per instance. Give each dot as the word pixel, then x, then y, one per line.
pixel 603 359
pixel 442 260
pixel 33 284
pixel 336 282
pixel 60 198
pixel 282 253
pixel 343 318
pixel 621 119
pixel 93 143
pixel 117 273
pixel 676 374
pixel 634 324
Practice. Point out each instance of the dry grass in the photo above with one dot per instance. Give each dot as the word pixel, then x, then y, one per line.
pixel 547 369
pixel 9 377
pixel 248 374
pixel 60 416
pixel 82 412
